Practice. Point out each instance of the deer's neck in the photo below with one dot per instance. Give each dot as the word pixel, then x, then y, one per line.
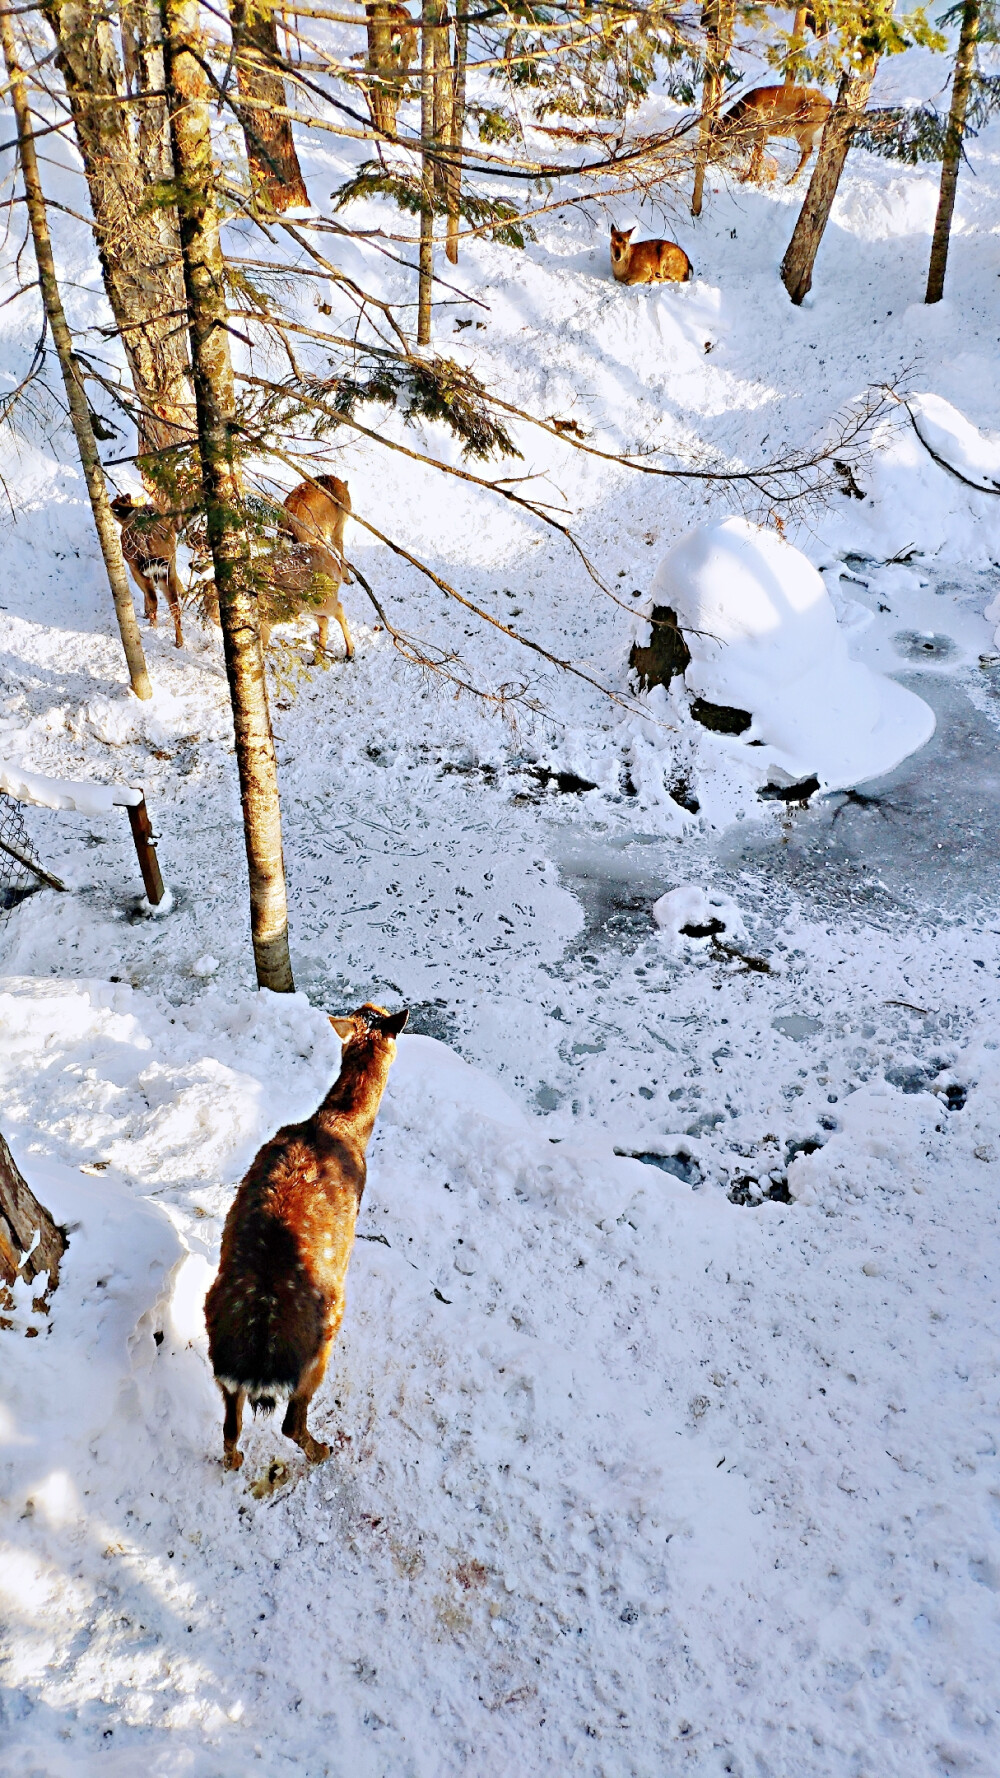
pixel 351 1105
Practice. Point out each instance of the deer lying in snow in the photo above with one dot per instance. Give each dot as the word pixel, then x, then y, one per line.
pixel 275 1307
pixel 149 545
pixel 798 111
pixel 648 262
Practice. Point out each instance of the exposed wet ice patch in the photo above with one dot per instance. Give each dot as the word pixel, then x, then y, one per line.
pixel 924 645
pixel 796 1025
pixel 681 1165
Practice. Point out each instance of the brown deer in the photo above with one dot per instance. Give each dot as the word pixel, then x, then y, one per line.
pixel 647 262
pixel 309 576
pixel 275 1307
pixel 149 545
pixel 798 111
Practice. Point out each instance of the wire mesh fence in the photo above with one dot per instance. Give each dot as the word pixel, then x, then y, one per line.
pixel 17 857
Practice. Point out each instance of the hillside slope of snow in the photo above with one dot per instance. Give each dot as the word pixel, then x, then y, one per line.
pixel 665 1406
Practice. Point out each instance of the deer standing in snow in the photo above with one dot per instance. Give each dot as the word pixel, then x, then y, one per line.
pixel 797 111
pixel 647 262
pixel 275 1307
pixel 149 545
pixel 305 570
pixel 308 577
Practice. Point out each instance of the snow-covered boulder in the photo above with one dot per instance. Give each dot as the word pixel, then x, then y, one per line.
pixel 764 638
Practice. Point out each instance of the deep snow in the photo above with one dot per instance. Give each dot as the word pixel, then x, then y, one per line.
pixel 680 1463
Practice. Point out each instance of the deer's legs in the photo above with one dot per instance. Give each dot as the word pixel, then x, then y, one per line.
pixel 323 636
pixel 174 602
pixel 294 1424
pixel 804 152
pixel 348 644
pixel 232 1457
pixel 756 160
pixel 147 588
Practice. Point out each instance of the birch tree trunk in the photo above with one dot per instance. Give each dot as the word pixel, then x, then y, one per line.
pixel 845 115
pixel 429 27
pixel 965 62
pixel 457 133
pixel 275 173
pixel 108 534
pixel 215 401
pixel 137 239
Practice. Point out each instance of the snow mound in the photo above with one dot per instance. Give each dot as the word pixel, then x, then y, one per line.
pixel 960 445
pixel 764 638
pixel 697 913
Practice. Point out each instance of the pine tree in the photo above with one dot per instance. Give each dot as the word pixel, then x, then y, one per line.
pixel 275 174
pixel 136 231
pixel 856 36
pixel 961 86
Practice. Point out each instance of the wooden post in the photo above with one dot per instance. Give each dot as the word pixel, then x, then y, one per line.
pixel 145 851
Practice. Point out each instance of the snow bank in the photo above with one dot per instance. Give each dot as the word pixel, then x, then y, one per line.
pixel 764 638
pixel 932 486
pixel 64 793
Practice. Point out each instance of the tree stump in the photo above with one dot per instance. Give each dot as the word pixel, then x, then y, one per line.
pixel 30 1242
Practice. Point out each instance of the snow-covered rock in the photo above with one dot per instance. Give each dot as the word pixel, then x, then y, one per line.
pixel 691 906
pixel 764 638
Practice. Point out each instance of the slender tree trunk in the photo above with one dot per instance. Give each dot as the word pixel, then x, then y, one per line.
pixel 30 1242
pixel 791 73
pixel 717 23
pixel 383 97
pixel 136 235
pixel 800 256
pixel 108 534
pixel 429 27
pixel 443 96
pixel 275 173
pixel 965 61
pixel 215 399
pixel 457 135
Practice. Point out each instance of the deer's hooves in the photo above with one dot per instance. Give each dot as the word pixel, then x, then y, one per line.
pixel 314 1451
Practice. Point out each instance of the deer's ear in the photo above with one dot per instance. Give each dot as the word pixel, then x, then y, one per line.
pixel 343 1027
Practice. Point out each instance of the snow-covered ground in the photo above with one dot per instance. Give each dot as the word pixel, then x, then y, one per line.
pixel 665 1408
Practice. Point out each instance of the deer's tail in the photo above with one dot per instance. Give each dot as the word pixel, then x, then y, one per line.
pixel 265 1317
